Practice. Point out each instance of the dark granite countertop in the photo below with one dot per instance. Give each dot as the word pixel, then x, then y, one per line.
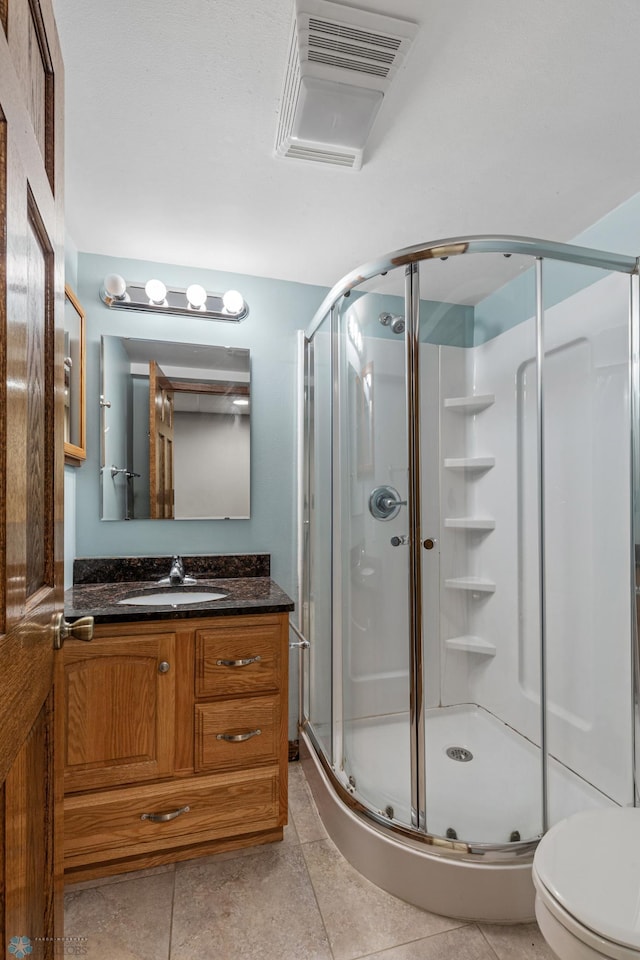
pixel 100 583
pixel 244 595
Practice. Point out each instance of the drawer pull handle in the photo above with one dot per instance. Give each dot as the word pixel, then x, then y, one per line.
pixel 238 737
pixel 164 817
pixel 237 663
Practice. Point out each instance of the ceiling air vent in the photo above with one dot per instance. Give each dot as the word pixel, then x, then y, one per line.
pixel 341 62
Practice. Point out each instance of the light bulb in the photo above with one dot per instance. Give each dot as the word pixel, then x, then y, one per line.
pixel 115 286
pixel 197 296
pixel 241 403
pixel 233 301
pixel 156 291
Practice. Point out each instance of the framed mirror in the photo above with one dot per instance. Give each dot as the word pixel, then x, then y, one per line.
pixel 74 381
pixel 175 430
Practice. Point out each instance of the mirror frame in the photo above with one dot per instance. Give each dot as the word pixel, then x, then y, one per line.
pixel 75 455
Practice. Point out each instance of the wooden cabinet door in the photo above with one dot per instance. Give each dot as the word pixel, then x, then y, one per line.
pixel 31 472
pixel 119 707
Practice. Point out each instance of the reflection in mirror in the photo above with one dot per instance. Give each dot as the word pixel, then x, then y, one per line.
pixel 175 430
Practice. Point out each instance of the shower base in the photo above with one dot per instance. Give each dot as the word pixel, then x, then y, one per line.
pixel 485 800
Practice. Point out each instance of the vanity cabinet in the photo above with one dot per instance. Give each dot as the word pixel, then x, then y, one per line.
pixel 176 741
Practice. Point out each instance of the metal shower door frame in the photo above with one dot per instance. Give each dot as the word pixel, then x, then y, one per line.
pixel 410 258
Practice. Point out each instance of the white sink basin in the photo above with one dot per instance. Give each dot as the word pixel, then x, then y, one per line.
pixel 171 598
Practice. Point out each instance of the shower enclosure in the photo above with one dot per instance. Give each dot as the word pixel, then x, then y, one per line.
pixel 469 561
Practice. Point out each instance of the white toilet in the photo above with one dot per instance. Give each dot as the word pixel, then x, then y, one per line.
pixel 586 872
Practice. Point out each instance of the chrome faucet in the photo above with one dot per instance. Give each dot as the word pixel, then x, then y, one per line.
pixel 177 575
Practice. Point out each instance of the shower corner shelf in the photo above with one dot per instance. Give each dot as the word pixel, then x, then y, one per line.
pixel 469 523
pixel 470 464
pixel 471 644
pixel 473 584
pixel 472 404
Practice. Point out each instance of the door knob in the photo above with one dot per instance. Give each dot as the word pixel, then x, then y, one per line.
pixel 81 629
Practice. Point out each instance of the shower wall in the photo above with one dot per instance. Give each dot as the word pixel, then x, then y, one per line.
pixel 490 645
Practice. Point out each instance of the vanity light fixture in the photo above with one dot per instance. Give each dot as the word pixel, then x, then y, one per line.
pixel 154 297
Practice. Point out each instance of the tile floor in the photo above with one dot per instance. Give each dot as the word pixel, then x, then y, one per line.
pixel 296 900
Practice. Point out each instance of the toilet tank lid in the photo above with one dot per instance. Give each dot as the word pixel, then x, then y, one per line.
pixel 590 864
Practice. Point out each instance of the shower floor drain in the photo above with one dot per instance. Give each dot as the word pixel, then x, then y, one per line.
pixel 459 753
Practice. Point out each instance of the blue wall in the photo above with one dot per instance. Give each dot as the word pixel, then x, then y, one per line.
pixel 277 310
pixel 617 232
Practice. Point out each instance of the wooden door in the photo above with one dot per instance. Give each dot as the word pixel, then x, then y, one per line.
pixel 31 475
pixel 160 443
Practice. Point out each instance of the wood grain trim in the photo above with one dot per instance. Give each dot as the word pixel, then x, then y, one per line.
pixel 29 836
pixel 49 92
pixel 110 868
pixel 3 857
pixel 3 367
pixel 227 389
pixel 76 454
pixel 147 653
pixel 227 641
pixel 49 465
pixel 220 805
pixel 184 676
pixel 237 717
pixel 193 623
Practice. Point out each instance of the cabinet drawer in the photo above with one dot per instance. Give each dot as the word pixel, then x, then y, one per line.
pixel 256 724
pixel 219 806
pixel 239 659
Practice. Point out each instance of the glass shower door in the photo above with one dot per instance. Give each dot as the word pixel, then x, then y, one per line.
pixel 371 557
pixel 483 780
pixel 317 692
pixel 587 512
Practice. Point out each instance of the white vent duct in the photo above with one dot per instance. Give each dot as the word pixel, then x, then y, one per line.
pixel 341 61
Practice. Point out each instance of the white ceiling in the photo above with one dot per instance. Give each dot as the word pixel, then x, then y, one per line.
pixel 509 116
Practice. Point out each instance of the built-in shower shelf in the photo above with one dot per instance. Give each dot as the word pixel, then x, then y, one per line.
pixel 469 523
pixel 472 404
pixel 472 645
pixel 475 584
pixel 470 464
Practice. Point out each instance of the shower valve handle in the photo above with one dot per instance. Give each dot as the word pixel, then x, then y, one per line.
pixel 385 503
pixel 399 541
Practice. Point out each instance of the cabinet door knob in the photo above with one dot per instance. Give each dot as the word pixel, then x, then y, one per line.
pixel 164 667
pixel 238 737
pixel 164 817
pixel 237 663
